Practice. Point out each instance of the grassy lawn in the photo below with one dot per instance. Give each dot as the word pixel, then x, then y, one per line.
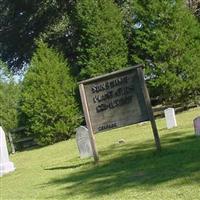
pixel 132 170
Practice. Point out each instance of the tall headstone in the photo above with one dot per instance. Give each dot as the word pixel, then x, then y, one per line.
pixel 170 118
pixel 197 126
pixel 6 165
pixel 83 142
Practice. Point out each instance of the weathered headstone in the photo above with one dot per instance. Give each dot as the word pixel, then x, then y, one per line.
pixel 170 118
pixel 197 126
pixel 6 165
pixel 83 142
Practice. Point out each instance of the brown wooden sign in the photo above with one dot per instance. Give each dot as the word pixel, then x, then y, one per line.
pixel 115 100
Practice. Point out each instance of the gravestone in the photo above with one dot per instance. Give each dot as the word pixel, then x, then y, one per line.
pixel 83 142
pixel 197 126
pixel 170 118
pixel 6 165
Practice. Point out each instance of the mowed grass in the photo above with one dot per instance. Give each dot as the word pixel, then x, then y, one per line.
pixel 130 170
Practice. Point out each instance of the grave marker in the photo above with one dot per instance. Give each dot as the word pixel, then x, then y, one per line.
pixel 170 118
pixel 6 165
pixel 197 126
pixel 83 142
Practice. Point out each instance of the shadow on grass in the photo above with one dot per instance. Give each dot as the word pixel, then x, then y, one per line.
pixel 132 165
pixel 67 167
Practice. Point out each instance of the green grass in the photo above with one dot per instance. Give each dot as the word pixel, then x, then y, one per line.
pixel 133 170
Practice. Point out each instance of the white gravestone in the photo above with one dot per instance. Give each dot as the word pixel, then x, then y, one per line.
pixel 5 165
pixel 197 126
pixel 83 142
pixel 170 118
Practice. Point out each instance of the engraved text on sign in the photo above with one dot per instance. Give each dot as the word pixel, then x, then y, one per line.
pixel 115 101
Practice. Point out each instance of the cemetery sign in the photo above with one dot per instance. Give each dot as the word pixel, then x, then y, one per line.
pixel 115 100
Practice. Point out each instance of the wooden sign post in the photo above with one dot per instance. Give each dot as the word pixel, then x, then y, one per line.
pixel 115 100
pixel 88 122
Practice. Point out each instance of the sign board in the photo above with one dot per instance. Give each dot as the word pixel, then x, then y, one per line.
pixel 115 100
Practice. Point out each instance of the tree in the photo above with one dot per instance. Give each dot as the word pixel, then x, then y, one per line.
pixel 165 37
pixel 22 22
pixel 48 108
pixel 101 47
pixel 96 35
pixel 9 94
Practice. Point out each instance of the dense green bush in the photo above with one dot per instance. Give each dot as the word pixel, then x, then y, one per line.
pixel 48 108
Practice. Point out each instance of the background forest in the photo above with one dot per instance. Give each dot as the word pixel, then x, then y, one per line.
pixel 54 44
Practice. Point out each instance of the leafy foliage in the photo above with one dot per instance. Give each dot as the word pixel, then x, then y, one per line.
pixel 48 107
pixel 96 37
pixel 22 22
pixel 56 22
pixel 102 47
pixel 9 94
pixel 165 37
